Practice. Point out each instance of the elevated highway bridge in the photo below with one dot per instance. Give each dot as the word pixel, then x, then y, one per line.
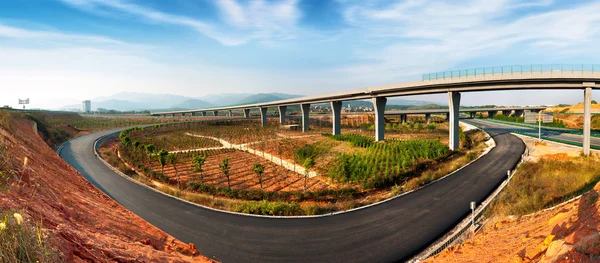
pixel 580 77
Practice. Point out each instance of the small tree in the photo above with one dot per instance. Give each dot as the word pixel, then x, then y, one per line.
pixel 162 159
pixel 259 169
pixel 149 151
pixel 308 163
pixel 197 163
pixel 172 159
pixel 224 166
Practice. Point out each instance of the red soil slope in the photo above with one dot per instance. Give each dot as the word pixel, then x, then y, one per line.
pixel 567 233
pixel 86 224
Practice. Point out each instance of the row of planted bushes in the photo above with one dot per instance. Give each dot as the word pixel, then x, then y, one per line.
pixel 383 163
pixel 325 195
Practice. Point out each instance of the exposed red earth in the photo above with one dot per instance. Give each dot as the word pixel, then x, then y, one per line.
pixel 566 233
pixel 85 224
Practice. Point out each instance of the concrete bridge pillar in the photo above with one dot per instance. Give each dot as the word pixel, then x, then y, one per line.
pixel 263 116
pixel 230 113
pixel 379 105
pixel 246 113
pixel 472 114
pixel 518 113
pixel 491 114
pixel 336 109
pixel 454 106
pixel 587 117
pixel 305 116
pixel 506 112
pixel 215 113
pixel 402 118
pixel 203 114
pixel 428 118
pixel 282 114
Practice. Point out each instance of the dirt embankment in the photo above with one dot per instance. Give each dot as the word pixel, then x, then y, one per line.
pixel 86 225
pixel 567 233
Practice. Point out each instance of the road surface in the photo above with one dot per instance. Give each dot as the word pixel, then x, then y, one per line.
pixel 387 232
pixel 552 133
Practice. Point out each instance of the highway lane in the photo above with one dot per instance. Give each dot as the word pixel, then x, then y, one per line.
pixel 387 232
pixel 546 133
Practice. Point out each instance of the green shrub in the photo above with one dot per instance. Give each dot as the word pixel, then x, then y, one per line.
pixel 384 163
pixel 269 208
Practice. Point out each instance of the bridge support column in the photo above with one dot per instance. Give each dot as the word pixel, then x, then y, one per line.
pixel 336 109
pixel 263 116
pixel 506 112
pixel 379 105
pixel 472 114
pixel 402 118
pixel 305 116
pixel 491 114
pixel 518 113
pixel 282 110
pixel 454 106
pixel 215 113
pixel 230 113
pixel 203 114
pixel 246 113
pixel 587 119
pixel 428 118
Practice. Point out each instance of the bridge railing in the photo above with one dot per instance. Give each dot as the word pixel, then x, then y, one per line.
pixel 512 69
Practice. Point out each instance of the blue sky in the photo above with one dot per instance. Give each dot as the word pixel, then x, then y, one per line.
pixel 60 52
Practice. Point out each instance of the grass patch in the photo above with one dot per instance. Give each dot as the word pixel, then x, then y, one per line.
pixel 22 241
pixel 542 184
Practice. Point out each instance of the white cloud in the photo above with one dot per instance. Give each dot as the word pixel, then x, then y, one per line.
pixel 259 20
pixel 421 36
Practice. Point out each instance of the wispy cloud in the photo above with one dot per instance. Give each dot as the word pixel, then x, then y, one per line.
pixel 21 33
pixel 258 20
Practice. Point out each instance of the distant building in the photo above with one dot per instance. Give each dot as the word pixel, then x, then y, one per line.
pixel 86 106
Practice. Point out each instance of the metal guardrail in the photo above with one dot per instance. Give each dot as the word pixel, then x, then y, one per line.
pixel 512 69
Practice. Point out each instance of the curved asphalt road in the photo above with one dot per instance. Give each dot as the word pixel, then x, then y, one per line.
pixel 388 232
pixel 553 133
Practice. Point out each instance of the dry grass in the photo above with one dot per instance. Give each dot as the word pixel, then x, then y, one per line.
pixel 23 241
pixel 547 182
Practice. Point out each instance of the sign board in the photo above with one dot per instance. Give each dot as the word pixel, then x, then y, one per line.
pixel 532 117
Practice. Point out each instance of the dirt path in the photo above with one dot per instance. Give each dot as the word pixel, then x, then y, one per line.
pixel 269 157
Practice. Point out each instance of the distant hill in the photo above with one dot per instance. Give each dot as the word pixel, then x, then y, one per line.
pixel 223 99
pixel 137 101
pixel 192 104
pixel 265 97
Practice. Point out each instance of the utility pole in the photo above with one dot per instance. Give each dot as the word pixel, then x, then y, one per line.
pixel 540 126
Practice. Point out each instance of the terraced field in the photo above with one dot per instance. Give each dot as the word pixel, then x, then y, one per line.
pixel 242 177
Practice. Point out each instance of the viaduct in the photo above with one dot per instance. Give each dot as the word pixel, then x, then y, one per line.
pixel 453 83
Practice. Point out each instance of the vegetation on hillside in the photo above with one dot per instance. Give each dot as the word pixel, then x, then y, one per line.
pixel 547 182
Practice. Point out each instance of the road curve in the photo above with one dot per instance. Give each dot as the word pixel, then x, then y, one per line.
pixel 553 133
pixel 388 232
